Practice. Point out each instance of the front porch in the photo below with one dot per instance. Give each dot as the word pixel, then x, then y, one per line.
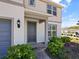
pixel 36 27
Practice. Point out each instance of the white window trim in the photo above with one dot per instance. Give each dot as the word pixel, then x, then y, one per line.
pixel 52 10
pixel 55 11
pixel 51 30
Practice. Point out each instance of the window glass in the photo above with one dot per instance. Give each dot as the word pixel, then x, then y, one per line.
pixel 49 33
pixel 49 26
pixel 32 2
pixel 49 11
pixel 55 11
pixel 54 27
pixel 49 7
pixel 54 33
pixel 52 30
pixel 49 38
pixel 52 10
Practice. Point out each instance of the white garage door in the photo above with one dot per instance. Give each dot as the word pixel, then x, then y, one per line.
pixel 5 36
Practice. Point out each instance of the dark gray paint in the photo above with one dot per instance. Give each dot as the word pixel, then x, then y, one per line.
pixel 5 36
pixel 31 32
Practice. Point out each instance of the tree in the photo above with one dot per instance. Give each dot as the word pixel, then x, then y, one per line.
pixel 78 23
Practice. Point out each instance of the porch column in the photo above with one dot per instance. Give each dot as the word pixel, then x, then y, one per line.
pixel 46 33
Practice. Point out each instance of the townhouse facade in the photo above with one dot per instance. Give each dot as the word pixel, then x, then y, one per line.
pixel 28 21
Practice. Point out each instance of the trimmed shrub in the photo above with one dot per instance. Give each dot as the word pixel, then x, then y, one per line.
pixel 66 39
pixel 54 39
pixel 23 51
pixel 55 47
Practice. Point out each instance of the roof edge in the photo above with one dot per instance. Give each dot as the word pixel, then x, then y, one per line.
pixel 53 3
pixel 56 4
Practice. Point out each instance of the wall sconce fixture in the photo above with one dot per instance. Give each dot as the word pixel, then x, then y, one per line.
pixel 18 23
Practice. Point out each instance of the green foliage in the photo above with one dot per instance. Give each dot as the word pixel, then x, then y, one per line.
pixel 23 51
pixel 55 47
pixel 66 39
pixel 55 39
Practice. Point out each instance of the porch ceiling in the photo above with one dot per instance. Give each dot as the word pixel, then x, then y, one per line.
pixel 36 14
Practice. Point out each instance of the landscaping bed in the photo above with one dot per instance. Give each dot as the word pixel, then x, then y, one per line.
pixel 62 48
pixel 24 51
pixel 72 50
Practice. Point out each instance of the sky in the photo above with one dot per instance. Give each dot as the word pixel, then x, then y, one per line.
pixel 70 12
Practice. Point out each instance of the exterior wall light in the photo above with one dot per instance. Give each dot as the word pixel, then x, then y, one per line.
pixel 18 23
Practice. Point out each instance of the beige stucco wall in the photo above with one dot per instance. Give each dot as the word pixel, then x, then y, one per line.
pixel 19 1
pixel 39 6
pixel 40 30
pixel 57 18
pixel 14 13
pixel 42 7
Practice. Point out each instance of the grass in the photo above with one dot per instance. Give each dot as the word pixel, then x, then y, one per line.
pixel 75 39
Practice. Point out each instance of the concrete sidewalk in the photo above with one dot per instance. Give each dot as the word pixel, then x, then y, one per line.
pixel 41 54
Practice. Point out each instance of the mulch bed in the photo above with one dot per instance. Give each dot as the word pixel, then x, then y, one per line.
pixel 72 51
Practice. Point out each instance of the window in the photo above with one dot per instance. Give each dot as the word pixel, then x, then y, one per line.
pixel 49 26
pixel 52 10
pixel 55 11
pixel 52 30
pixel 32 2
pixel 49 9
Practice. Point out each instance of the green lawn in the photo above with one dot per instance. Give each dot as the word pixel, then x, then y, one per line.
pixel 75 39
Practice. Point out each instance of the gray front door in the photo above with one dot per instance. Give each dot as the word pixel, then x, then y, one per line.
pixel 5 36
pixel 31 32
